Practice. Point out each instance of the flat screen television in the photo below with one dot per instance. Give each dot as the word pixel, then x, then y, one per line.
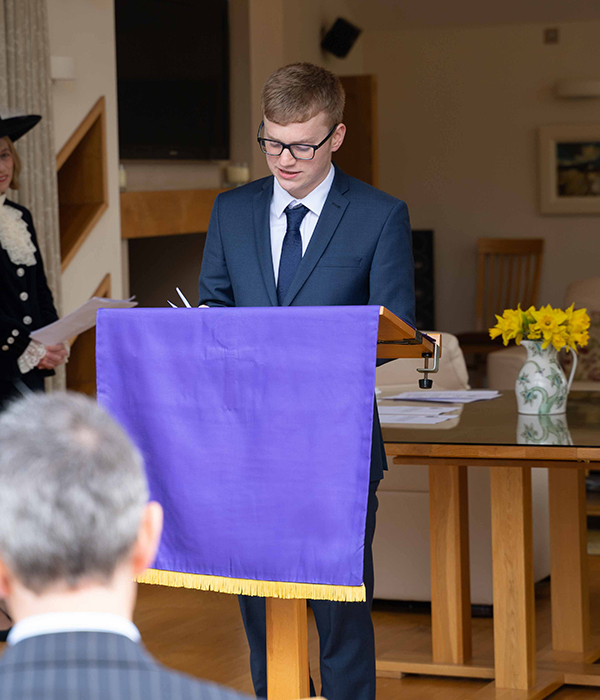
pixel 173 79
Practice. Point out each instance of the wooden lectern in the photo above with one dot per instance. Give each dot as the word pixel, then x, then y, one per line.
pixel 287 631
pixel 190 348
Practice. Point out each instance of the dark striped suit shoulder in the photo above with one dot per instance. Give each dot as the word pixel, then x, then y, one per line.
pixel 95 666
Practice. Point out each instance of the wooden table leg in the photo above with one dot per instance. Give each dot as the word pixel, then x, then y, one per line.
pixel 450 585
pixel 450 576
pixel 569 566
pixel 287 649
pixel 573 651
pixel 514 614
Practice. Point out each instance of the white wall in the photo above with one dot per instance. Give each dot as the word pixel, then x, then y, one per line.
pixel 304 24
pixel 459 109
pixel 84 30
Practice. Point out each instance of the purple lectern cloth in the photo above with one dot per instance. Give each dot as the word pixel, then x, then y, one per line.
pixel 255 425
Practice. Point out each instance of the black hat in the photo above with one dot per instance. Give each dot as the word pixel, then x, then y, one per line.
pixel 15 127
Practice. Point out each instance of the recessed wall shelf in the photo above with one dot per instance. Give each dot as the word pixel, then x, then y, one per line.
pixel 166 213
pixel 82 182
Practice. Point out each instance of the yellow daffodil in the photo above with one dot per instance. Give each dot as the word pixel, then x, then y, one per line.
pixel 561 329
pixel 559 339
pixel 575 339
pixel 577 320
pixel 577 323
pixel 509 326
pixel 547 322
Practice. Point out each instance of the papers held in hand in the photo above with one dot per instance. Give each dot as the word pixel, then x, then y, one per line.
pixel 78 321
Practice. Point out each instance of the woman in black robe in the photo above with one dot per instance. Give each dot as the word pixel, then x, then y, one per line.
pixel 25 300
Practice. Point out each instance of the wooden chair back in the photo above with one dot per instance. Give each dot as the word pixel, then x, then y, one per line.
pixel 508 273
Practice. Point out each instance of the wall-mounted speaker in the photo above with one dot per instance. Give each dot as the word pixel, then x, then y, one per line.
pixel 340 38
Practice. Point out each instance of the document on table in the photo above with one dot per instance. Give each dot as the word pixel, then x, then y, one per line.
pixel 423 415
pixel 78 321
pixel 446 396
pixel 418 419
pixel 412 410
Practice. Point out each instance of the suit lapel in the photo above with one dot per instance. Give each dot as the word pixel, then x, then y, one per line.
pixel 333 210
pixel 262 233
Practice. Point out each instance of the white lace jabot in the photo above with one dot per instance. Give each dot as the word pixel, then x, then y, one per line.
pixel 14 235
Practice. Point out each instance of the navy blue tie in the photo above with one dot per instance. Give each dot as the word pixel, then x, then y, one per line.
pixel 291 250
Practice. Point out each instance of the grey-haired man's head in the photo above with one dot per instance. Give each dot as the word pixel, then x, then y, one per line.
pixel 73 492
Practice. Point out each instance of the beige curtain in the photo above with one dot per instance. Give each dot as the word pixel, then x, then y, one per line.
pixel 25 88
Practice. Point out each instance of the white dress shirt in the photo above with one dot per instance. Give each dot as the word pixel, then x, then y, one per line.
pixel 314 202
pixel 54 622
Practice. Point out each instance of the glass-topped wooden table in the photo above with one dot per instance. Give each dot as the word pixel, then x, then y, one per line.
pixel 493 434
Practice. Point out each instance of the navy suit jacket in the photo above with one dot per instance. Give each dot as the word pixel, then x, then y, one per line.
pixel 360 253
pixel 95 665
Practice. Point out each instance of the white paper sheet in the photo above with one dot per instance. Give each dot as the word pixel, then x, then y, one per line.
pixel 415 415
pixel 78 321
pixel 419 419
pixel 413 410
pixel 446 396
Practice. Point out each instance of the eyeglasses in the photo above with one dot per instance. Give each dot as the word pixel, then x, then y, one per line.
pixel 299 151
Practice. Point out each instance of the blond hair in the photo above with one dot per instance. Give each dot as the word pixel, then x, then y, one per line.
pixel 300 91
pixel 17 165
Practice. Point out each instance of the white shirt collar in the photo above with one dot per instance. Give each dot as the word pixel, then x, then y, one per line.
pixel 315 200
pixel 55 622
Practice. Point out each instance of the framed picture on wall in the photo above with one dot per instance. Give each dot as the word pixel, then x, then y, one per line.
pixel 569 162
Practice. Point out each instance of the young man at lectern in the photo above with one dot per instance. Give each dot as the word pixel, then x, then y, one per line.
pixel 310 235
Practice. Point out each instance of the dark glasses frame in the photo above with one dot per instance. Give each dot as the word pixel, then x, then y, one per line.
pixel 262 141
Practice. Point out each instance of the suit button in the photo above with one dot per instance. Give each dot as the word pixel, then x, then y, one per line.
pixel 20 272
pixel 15 332
pixel 27 320
pixel 23 296
pixel 10 341
pixel 5 347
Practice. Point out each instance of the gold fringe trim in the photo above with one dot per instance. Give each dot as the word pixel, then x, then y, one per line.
pixel 244 586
